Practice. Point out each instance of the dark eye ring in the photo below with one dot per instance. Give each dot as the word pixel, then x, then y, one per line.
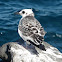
pixel 23 12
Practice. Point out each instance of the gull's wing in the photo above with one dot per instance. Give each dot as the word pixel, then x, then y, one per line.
pixel 31 28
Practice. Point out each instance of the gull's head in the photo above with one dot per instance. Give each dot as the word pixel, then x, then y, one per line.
pixel 25 12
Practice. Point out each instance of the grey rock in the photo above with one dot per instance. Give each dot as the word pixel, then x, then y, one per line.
pixel 14 52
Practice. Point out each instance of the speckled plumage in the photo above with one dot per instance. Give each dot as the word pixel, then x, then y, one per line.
pixel 29 26
pixel 31 30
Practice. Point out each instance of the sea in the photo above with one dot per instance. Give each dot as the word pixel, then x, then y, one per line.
pixel 47 12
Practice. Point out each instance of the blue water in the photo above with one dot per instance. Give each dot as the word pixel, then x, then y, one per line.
pixel 48 12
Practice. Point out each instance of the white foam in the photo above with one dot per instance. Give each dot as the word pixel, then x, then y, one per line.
pixel 58 35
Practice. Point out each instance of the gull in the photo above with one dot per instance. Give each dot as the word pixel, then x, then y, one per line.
pixel 30 29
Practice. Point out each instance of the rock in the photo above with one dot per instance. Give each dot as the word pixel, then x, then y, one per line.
pixel 5 55
pixel 13 52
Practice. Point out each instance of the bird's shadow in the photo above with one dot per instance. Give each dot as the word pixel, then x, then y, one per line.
pixel 30 47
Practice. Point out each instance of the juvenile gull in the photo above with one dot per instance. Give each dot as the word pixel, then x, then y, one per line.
pixel 30 29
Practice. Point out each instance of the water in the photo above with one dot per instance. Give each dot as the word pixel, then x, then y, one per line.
pixel 48 12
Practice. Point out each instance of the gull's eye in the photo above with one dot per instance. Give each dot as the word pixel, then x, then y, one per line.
pixel 23 12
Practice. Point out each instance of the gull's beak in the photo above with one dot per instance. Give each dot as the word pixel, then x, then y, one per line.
pixel 17 13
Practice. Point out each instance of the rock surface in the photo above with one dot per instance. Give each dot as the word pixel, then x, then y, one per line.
pixel 13 52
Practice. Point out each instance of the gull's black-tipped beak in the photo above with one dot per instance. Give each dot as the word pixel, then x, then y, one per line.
pixel 17 13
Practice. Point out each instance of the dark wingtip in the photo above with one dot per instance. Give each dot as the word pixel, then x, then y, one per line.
pixel 42 47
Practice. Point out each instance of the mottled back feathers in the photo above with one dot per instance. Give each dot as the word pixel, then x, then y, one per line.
pixel 29 26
